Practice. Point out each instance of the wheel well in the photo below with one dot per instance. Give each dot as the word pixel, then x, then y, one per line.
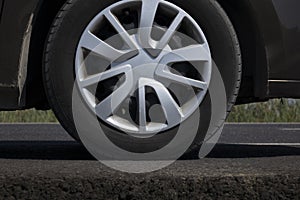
pixel 254 85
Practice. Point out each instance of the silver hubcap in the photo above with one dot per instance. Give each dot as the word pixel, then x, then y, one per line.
pixel 143 66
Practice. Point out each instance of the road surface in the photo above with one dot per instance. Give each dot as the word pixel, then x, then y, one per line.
pixel 251 161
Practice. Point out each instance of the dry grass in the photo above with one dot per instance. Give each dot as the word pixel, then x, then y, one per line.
pixel 272 111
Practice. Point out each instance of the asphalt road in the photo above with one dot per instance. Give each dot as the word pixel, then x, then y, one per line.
pixel 251 161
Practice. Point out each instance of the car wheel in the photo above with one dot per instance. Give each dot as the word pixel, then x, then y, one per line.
pixel 106 48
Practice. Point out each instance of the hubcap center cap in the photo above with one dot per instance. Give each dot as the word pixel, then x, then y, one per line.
pixel 144 65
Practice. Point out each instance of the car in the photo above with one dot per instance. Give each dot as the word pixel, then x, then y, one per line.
pixel 137 52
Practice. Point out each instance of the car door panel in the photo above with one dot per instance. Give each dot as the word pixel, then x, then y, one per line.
pixel 289 18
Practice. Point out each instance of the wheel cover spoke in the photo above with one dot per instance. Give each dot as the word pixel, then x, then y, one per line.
pixel 120 29
pixel 170 31
pixel 166 74
pixel 92 43
pixel 109 105
pixel 96 78
pixel 190 53
pixel 148 13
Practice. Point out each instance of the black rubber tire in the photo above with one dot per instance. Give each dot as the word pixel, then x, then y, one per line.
pixel 75 15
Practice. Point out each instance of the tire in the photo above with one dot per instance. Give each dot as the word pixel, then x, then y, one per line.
pixel 60 53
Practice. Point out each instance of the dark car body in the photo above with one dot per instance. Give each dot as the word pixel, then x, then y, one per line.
pixel 268 31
